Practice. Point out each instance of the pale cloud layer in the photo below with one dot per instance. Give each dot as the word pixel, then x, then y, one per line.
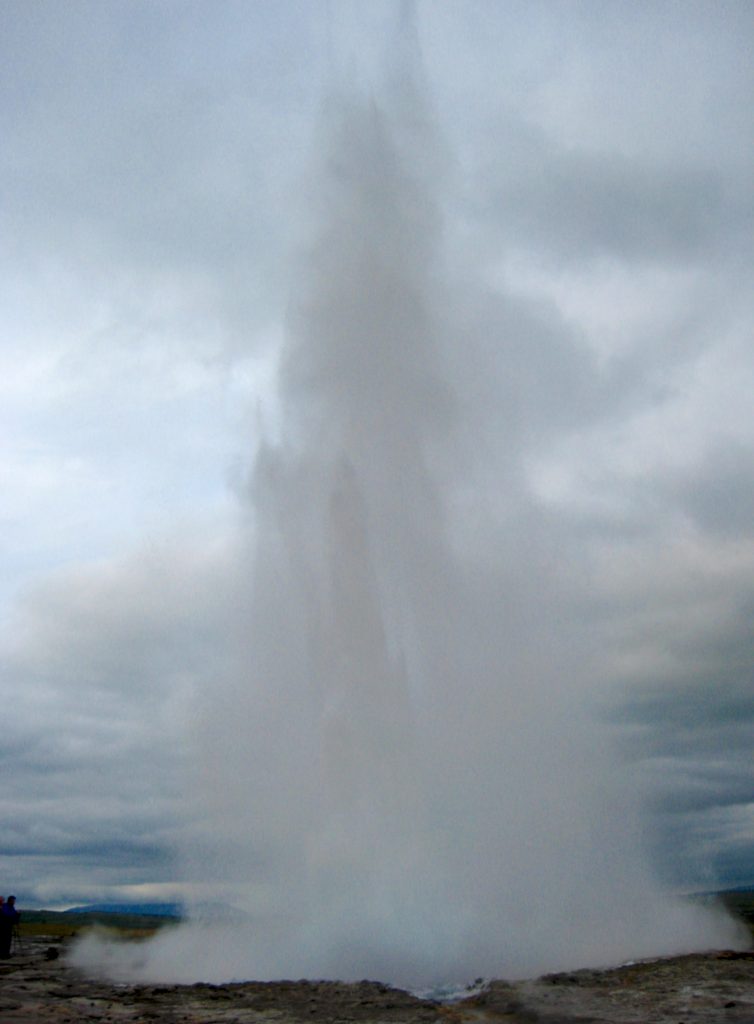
pixel 594 314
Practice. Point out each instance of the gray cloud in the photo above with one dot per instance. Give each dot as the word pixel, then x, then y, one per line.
pixel 146 168
pixel 585 205
pixel 103 663
pixel 718 493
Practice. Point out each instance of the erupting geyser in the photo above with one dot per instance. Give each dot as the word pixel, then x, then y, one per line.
pixel 398 775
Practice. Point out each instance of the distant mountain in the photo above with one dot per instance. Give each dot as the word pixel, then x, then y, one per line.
pixel 139 909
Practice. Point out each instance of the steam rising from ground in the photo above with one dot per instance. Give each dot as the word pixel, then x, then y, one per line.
pixel 398 776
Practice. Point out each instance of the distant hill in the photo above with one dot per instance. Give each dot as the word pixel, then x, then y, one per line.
pixel 138 909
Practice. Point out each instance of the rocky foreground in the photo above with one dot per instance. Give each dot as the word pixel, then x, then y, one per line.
pixel 716 988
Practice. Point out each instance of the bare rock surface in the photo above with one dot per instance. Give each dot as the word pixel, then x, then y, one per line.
pixel 714 988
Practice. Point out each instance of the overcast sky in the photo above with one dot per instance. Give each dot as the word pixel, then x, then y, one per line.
pixel 597 169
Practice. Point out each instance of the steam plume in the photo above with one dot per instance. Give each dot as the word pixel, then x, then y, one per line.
pixel 399 777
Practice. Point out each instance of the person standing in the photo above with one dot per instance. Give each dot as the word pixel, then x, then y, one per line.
pixel 9 918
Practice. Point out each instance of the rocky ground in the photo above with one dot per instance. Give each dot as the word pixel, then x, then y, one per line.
pixel 37 985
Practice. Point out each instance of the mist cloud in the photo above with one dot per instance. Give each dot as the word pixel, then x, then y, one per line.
pixel 402 765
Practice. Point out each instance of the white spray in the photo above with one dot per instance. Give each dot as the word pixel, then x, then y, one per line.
pixel 397 775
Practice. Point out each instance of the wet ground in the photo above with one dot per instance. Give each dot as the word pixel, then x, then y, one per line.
pixel 714 988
